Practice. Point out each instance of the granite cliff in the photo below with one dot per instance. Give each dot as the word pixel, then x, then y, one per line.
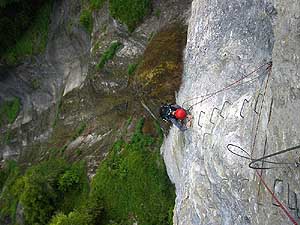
pixel 241 82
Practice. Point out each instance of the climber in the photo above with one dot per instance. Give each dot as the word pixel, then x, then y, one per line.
pixel 177 115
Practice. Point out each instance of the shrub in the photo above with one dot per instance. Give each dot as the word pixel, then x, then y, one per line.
pixel 96 4
pixel 40 196
pixel 131 69
pixel 45 189
pixel 10 190
pixel 35 84
pixel 49 187
pixel 90 211
pixel 108 54
pixel 129 12
pixel 12 27
pixel 69 179
pixel 73 218
pixel 86 20
pixel 10 110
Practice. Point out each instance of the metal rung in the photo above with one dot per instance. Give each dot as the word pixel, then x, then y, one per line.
pixel 244 102
pixel 222 109
pixel 274 186
pixel 212 113
pixel 200 118
pixel 292 198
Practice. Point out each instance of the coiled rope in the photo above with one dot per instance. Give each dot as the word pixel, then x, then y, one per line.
pixel 253 163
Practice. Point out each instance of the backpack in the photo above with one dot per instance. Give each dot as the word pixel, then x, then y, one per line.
pixel 165 112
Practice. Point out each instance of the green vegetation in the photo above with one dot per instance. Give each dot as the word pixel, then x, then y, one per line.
pixel 9 110
pixel 79 130
pixel 9 195
pixel 96 4
pixel 33 38
pixel 131 185
pixel 4 3
pixel 6 138
pixel 43 190
pixel 157 13
pixel 86 20
pixel 78 152
pixel 57 111
pixel 35 84
pixel 159 73
pixel 129 12
pixel 108 54
pixel 131 68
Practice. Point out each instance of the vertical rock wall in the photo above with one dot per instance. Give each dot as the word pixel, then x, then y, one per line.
pixel 40 81
pixel 242 106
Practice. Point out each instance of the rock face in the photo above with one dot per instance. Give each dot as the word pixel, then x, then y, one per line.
pixel 242 106
pixel 39 82
pixel 62 91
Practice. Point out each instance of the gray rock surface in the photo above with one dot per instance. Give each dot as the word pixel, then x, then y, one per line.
pixel 61 88
pixel 238 105
pixel 40 82
pixel 62 67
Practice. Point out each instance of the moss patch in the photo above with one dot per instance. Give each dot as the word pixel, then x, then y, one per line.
pixel 96 4
pixel 108 54
pixel 131 69
pixel 86 20
pixel 159 73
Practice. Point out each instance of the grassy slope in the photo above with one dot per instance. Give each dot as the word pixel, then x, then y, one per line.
pixel 130 185
pixel 133 183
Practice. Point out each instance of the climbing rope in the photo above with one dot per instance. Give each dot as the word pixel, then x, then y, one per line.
pixel 246 155
pixel 231 85
pixel 285 210
pixel 262 159
pixel 253 163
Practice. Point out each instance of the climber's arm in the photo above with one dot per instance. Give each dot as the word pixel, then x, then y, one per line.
pixel 178 124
